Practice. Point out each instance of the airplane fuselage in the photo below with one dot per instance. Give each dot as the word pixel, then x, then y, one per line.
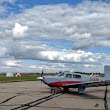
pixel 69 79
pixel 76 80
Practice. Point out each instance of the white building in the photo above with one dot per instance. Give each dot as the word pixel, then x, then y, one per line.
pixel 9 74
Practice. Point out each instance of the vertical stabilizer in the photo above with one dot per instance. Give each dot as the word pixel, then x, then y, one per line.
pixel 107 72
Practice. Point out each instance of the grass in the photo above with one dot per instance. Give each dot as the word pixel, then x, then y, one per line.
pixel 3 78
pixel 24 77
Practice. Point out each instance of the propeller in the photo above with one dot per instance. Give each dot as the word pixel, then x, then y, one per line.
pixel 41 77
pixel 42 73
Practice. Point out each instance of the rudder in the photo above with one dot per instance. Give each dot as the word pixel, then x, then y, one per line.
pixel 107 72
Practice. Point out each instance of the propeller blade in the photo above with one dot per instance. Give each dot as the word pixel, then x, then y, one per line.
pixel 42 73
pixel 41 77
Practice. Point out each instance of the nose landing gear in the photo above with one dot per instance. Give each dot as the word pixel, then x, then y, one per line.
pixel 53 91
pixel 58 90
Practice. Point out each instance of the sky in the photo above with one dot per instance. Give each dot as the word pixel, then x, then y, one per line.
pixel 54 35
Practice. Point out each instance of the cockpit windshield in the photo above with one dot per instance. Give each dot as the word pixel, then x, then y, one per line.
pixel 61 74
pixel 68 75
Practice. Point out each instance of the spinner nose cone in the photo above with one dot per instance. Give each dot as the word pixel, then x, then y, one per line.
pixel 45 81
pixel 40 78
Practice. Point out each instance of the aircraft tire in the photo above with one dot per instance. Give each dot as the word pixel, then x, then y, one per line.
pixel 53 91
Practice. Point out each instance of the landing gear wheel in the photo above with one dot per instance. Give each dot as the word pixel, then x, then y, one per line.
pixel 53 91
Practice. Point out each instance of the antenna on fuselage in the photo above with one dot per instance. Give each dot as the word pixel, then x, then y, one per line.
pixel 92 74
pixel 71 71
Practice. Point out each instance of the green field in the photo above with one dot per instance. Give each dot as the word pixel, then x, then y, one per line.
pixel 23 77
pixel 26 77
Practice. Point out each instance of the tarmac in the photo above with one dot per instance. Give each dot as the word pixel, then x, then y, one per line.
pixel 34 95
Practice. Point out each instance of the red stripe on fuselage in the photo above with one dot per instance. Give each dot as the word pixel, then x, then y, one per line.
pixel 63 83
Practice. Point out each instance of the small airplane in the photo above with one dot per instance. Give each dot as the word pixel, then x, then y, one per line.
pixel 68 80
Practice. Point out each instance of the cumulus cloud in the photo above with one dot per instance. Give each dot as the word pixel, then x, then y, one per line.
pixel 11 63
pixel 2 9
pixel 70 56
pixel 104 43
pixel 19 30
pixel 9 1
pixel 82 23
pixel 51 29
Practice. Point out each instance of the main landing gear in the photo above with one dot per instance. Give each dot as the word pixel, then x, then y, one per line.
pixel 81 89
pixel 66 89
pixel 55 90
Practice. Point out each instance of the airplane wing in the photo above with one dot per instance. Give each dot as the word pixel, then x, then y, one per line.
pixel 87 84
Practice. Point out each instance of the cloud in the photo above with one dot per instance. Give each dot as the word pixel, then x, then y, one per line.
pixel 2 9
pixel 51 32
pixel 9 1
pixel 104 43
pixel 12 63
pixel 82 23
pixel 19 31
pixel 70 56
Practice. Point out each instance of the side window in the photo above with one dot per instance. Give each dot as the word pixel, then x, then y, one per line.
pixel 68 76
pixel 76 76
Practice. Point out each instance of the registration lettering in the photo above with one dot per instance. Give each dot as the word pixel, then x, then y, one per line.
pixel 94 79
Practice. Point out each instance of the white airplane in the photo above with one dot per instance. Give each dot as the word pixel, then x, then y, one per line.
pixel 75 80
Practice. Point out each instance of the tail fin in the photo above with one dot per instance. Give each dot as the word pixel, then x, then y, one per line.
pixel 107 72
